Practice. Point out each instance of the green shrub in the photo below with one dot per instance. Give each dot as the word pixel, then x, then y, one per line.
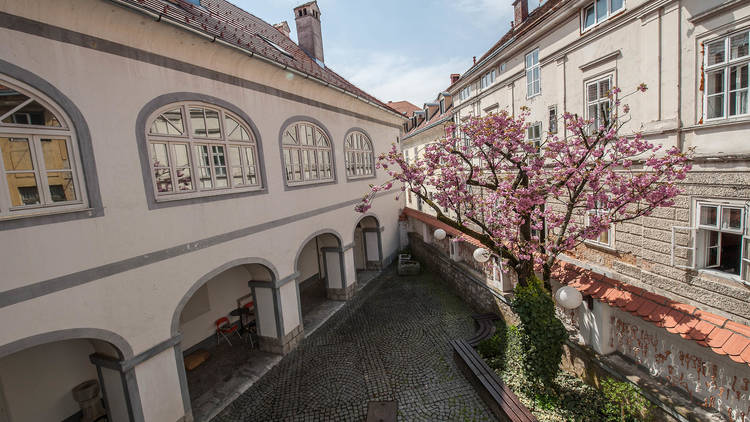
pixel 543 334
pixel 624 402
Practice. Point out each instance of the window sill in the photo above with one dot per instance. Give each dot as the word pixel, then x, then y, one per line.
pixel 721 122
pixel 46 212
pixel 358 178
pixel 721 274
pixel 309 184
pixel 597 245
pixel 529 97
pixel 205 194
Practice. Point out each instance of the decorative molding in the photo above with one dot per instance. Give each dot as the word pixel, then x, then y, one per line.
pixel 601 60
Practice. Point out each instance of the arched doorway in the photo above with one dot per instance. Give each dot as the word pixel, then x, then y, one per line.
pixel 321 277
pixel 368 249
pixel 210 359
pixel 38 374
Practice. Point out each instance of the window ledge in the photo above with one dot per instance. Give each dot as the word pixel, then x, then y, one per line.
pixel 358 178
pixel 719 123
pixel 46 212
pixel 721 274
pixel 308 184
pixel 597 245
pixel 205 194
pixel 528 97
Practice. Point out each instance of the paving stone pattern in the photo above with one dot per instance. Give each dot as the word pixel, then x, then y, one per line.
pixel 388 343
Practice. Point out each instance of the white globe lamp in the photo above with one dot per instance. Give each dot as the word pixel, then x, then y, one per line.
pixel 481 255
pixel 568 297
pixel 439 234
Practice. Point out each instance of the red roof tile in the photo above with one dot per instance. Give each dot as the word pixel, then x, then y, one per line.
pixel 404 107
pixel 723 336
pixel 735 344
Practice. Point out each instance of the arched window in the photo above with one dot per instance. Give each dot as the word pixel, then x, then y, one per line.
pixel 199 149
pixel 359 155
pixel 39 163
pixel 307 154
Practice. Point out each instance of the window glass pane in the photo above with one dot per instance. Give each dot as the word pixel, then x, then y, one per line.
pixel 308 139
pixel 181 155
pixel 23 189
pixel 203 158
pixel 731 218
pixel 604 237
pixel 616 5
pixel 212 124
pixel 712 253
pixel 204 174
pixel 601 10
pixel 61 186
pixel 237 176
pixel 198 122
pixel 290 137
pixel 306 164
pixel 715 52
pixel 591 92
pixel 231 128
pixel 163 179
pixel 32 113
pixel 709 215
pixel 738 85
pixel 588 17
pixel 220 162
pixel 16 154
pixel 55 154
pixel 168 123
pixel 184 179
pixel 738 44
pixel 322 141
pixel 603 88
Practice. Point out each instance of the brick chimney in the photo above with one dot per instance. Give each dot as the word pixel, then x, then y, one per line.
pixel 309 36
pixel 455 77
pixel 283 27
pixel 521 12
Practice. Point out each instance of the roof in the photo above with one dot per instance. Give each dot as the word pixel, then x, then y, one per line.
pixel 404 107
pixel 426 124
pixel 222 20
pixel 721 335
pixel 535 17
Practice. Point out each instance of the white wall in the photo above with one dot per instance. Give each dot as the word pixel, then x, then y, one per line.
pixel 289 306
pixel 307 265
pixel 37 382
pixel 223 292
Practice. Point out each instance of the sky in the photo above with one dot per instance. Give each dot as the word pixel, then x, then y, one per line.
pixel 399 49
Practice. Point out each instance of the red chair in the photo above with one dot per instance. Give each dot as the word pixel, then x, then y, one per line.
pixel 224 327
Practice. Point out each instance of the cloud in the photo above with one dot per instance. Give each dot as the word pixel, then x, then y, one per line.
pixel 396 77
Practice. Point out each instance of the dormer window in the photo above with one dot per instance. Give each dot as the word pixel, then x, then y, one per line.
pixel 599 11
pixel 442 105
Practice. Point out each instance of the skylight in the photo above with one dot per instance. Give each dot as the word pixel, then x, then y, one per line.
pixel 276 46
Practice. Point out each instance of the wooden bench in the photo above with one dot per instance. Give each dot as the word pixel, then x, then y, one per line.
pixel 500 399
pixel 486 328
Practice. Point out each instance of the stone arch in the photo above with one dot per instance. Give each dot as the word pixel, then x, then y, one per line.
pixel 175 327
pixel 122 346
pixel 367 243
pixel 313 236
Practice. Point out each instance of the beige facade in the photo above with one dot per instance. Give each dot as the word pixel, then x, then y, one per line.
pixel 137 277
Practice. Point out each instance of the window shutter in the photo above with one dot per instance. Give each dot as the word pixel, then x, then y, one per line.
pixel 690 231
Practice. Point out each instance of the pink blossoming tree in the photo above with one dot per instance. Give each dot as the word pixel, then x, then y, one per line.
pixel 528 202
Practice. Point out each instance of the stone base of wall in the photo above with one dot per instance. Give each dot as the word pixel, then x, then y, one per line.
pixel 473 289
pixel 284 345
pixel 342 294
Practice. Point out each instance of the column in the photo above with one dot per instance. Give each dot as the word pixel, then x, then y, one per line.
pixel 279 314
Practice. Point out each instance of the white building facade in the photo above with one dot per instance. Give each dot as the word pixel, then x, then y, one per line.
pixel 163 161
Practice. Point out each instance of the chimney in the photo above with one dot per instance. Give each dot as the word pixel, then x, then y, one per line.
pixel 283 27
pixel 475 59
pixel 521 12
pixel 309 36
pixel 455 77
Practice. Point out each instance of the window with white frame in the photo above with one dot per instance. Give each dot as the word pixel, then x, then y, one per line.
pixel 488 79
pixel 599 11
pixel 198 149
pixel 39 161
pixel 464 93
pixel 533 77
pixel 598 102
pixel 359 155
pixel 442 105
pixel 726 72
pixel 307 154
pixel 552 119
pixel 606 237
pixel 534 133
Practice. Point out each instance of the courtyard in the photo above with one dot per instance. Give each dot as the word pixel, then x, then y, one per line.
pixel 389 343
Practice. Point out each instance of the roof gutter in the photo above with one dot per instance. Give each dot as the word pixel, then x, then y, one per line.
pixel 160 17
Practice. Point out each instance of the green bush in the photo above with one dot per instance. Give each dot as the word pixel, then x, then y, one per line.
pixel 624 402
pixel 543 335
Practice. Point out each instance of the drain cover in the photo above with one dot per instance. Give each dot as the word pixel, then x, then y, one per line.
pixel 382 411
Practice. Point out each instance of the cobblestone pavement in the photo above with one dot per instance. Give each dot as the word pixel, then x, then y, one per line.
pixel 388 343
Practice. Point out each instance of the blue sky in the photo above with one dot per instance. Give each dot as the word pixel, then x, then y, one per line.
pixel 399 49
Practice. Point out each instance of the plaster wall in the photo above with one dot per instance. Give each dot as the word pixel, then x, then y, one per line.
pixel 290 306
pixel 223 292
pixel 50 371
